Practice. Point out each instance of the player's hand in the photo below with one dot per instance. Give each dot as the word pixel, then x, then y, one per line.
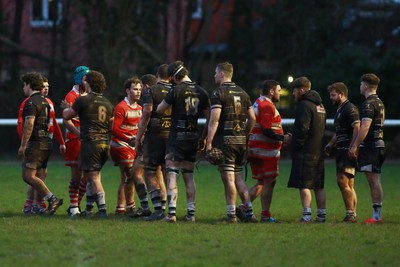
pixel 287 139
pixel 201 145
pixel 328 149
pixel 62 149
pixel 21 151
pixel 139 147
pixel 353 152
pixel 64 104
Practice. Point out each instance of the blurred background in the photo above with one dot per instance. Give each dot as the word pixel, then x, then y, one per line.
pixel 325 40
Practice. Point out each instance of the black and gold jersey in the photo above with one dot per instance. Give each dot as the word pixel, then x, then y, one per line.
pixel 234 103
pixel 154 95
pixel 373 109
pixel 94 111
pixel 346 115
pixel 188 101
pixel 38 107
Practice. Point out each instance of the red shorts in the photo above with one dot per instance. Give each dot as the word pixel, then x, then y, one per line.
pixel 122 155
pixel 73 146
pixel 264 168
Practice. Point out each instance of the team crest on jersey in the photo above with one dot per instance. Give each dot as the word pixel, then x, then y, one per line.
pixel 166 124
pixel 191 126
pixel 237 128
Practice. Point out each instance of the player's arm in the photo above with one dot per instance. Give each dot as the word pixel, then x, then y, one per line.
pixel 202 140
pixel 71 127
pixel 272 135
pixel 362 133
pixel 111 124
pixel 162 107
pixel 119 117
pixel 26 134
pixel 251 121
pixel 330 145
pixel 20 120
pixel 144 122
pixel 356 129
pixel 68 113
pixel 58 134
pixel 212 126
pixel 267 115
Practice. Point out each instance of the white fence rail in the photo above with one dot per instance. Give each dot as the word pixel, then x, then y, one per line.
pixel 202 121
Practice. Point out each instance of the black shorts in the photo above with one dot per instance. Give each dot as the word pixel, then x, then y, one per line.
pixel 182 151
pixel 93 155
pixel 370 159
pixel 36 159
pixel 234 154
pixel 344 164
pixel 154 147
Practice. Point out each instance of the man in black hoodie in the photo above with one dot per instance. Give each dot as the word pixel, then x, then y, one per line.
pixel 307 158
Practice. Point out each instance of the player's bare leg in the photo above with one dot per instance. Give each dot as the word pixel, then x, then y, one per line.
pixel 374 181
pixel 266 198
pixel 190 185
pixel 346 186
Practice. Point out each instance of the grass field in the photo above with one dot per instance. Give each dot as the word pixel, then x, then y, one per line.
pixel 60 241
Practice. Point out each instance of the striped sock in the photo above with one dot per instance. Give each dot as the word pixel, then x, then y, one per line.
pixel 73 191
pixel 306 214
pixel 101 201
pixel 191 209
pixel 82 190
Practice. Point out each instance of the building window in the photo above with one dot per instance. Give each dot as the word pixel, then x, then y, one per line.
pixel 198 12
pixel 45 12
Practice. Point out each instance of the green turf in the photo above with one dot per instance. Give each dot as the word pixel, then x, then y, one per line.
pixel 60 241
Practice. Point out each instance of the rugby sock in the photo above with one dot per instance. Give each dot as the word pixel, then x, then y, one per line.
pixel 156 200
pixel 82 190
pixel 142 194
pixel 376 208
pixel 249 210
pixel 265 214
pixel 144 203
pixel 191 209
pixel 28 204
pixel 171 205
pixel 172 190
pixel 119 210
pixel 350 213
pixel 49 197
pixel 89 198
pixel 321 215
pixel 231 211
pixel 130 205
pixel 306 214
pixel 163 204
pixel 101 201
pixel 73 191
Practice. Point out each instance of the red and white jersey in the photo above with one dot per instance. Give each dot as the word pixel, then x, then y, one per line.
pixel 126 122
pixel 70 98
pixel 267 117
pixel 54 128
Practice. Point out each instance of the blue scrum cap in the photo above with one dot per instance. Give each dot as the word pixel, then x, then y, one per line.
pixel 79 73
